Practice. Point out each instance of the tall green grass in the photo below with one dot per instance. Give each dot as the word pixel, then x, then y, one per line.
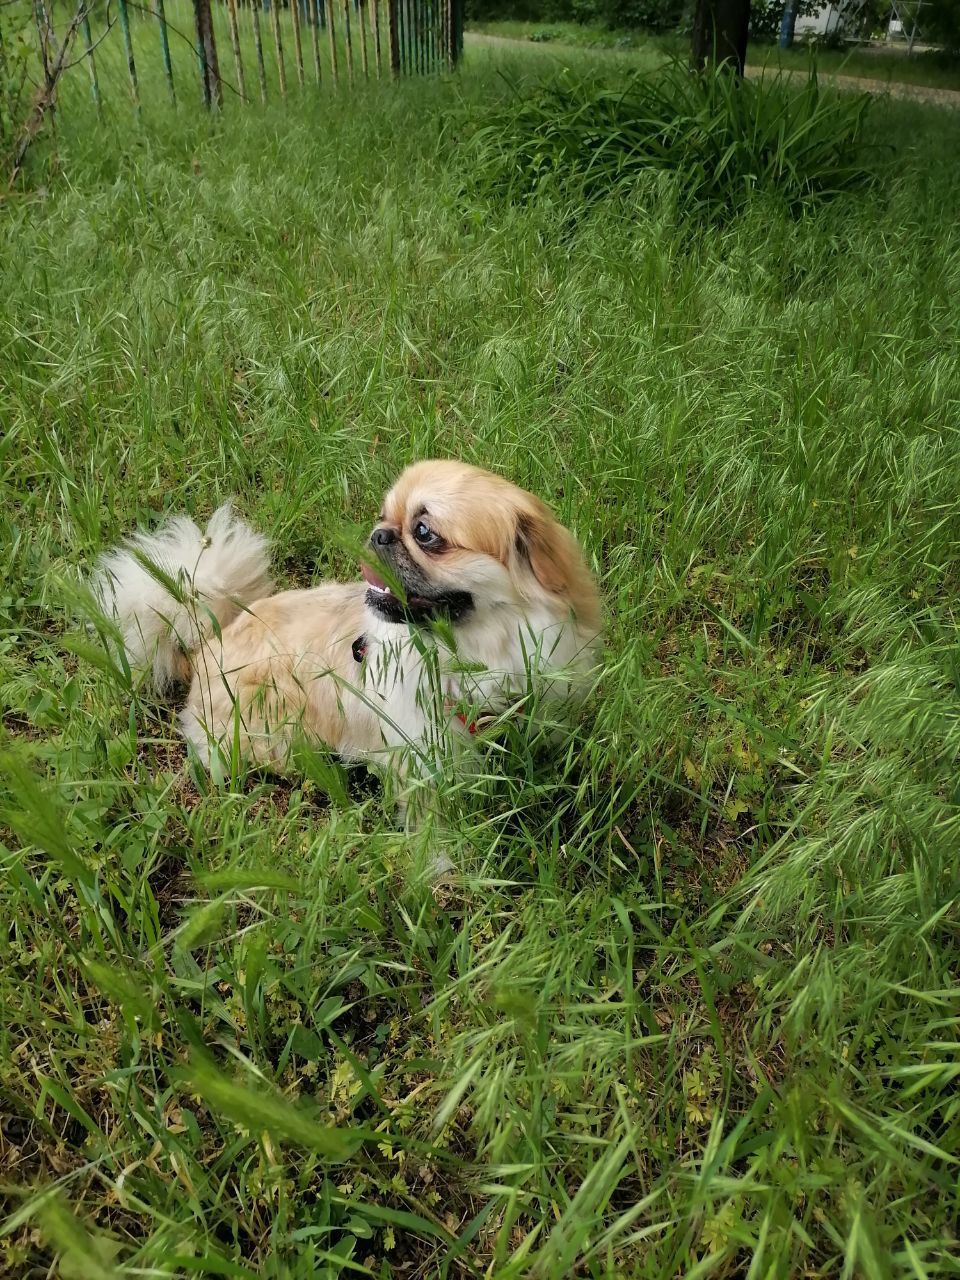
pixel 722 140
pixel 692 1009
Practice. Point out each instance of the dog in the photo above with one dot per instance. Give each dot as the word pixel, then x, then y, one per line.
pixel 474 602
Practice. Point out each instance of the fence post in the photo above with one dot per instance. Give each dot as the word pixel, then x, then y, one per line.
pixel 235 41
pixel 331 31
pixel 394 36
pixel 348 40
pixel 124 17
pixel 278 42
pixel 165 50
pixel 207 52
pixel 376 35
pixel 362 15
pixel 91 64
pixel 258 47
pixel 455 31
pixel 297 44
pixel 315 37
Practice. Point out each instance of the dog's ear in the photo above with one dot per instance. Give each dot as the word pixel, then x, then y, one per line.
pixel 548 550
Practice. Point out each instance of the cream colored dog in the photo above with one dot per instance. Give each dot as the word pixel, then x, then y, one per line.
pixel 474 599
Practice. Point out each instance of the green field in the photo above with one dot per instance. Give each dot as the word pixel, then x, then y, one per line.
pixel 929 67
pixel 692 1007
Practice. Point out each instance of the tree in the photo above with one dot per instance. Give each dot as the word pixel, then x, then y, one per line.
pixel 941 22
pixel 720 29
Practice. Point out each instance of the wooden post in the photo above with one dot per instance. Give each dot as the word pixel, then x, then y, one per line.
pixel 347 39
pixel 315 36
pixel 278 42
pixel 258 46
pixel 455 45
pixel 331 31
pixel 376 36
pixel 297 46
pixel 363 39
pixel 91 64
pixel 393 37
pixel 207 51
pixel 235 41
pixel 165 50
pixel 124 17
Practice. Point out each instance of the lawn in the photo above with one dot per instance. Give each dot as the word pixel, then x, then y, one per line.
pixel 692 1007
pixel 892 66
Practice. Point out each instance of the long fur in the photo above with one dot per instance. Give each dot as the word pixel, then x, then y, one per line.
pixel 345 664
pixel 169 590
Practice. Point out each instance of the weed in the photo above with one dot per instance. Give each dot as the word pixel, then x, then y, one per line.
pixel 721 140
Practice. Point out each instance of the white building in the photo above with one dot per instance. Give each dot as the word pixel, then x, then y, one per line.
pixel 845 16
pixel 823 23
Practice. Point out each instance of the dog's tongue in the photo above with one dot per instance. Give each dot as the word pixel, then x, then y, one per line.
pixel 372 578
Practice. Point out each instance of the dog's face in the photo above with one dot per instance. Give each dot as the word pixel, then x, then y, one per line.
pixel 454 541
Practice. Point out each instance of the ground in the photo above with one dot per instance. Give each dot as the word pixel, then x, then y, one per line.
pixel 888 67
pixel 691 1007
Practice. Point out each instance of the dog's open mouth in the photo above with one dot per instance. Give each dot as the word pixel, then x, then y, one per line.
pixel 413 608
pixel 378 589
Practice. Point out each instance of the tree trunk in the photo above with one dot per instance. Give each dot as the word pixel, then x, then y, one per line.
pixel 788 24
pixel 720 33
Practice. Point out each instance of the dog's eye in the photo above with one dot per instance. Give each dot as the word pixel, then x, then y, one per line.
pixel 425 535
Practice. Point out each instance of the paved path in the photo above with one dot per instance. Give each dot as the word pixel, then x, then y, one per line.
pixel 859 84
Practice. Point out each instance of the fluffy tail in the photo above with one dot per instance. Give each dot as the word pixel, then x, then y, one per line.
pixel 168 590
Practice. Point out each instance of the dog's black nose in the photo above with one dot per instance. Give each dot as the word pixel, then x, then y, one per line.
pixel 384 536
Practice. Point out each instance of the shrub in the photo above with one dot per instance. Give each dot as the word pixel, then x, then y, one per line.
pixel 15 83
pixel 724 139
pixel 647 15
pixel 941 23
pixel 766 16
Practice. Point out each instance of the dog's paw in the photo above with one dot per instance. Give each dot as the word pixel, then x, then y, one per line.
pixel 438 868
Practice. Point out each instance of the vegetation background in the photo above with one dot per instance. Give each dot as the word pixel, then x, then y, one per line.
pixel 692 1008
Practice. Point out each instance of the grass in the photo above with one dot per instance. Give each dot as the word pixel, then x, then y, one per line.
pixel 893 66
pixel 723 140
pixel 693 1008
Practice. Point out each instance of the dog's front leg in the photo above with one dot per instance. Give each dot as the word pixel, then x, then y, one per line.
pixel 421 786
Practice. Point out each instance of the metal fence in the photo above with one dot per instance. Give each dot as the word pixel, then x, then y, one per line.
pixel 213 52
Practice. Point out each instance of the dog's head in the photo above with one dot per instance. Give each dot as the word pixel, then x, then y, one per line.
pixel 455 541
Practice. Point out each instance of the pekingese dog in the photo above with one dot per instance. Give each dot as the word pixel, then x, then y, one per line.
pixel 475 600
